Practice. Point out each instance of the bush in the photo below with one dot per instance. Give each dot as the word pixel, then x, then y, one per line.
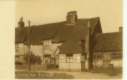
pixel 33 59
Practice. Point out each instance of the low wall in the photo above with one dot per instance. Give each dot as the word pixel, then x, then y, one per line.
pixel 117 63
pixel 98 61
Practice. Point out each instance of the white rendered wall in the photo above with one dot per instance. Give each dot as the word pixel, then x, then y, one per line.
pixel 73 64
pixel 99 62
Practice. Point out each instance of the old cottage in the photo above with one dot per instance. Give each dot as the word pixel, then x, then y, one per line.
pixel 70 44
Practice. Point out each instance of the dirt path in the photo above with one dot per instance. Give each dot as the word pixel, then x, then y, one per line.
pixel 88 75
pixel 85 75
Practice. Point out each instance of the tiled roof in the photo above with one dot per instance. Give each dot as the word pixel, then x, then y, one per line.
pixel 69 34
pixel 108 42
pixel 60 31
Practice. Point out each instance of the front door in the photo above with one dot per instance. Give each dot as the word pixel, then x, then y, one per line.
pixel 49 62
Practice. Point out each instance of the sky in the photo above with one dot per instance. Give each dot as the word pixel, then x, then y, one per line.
pixel 49 11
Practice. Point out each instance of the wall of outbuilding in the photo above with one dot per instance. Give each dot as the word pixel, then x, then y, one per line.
pixel 112 57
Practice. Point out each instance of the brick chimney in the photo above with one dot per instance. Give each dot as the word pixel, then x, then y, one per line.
pixel 71 17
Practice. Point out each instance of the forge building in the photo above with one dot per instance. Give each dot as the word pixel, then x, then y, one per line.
pixel 74 44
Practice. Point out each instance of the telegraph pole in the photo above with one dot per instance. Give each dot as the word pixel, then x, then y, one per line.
pixel 29 46
pixel 87 48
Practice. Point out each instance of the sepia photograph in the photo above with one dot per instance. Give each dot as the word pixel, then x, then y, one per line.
pixel 68 39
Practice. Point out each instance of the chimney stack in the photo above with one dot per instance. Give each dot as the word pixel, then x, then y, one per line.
pixel 71 17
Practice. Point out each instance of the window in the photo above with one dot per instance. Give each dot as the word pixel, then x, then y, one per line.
pixel 69 59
